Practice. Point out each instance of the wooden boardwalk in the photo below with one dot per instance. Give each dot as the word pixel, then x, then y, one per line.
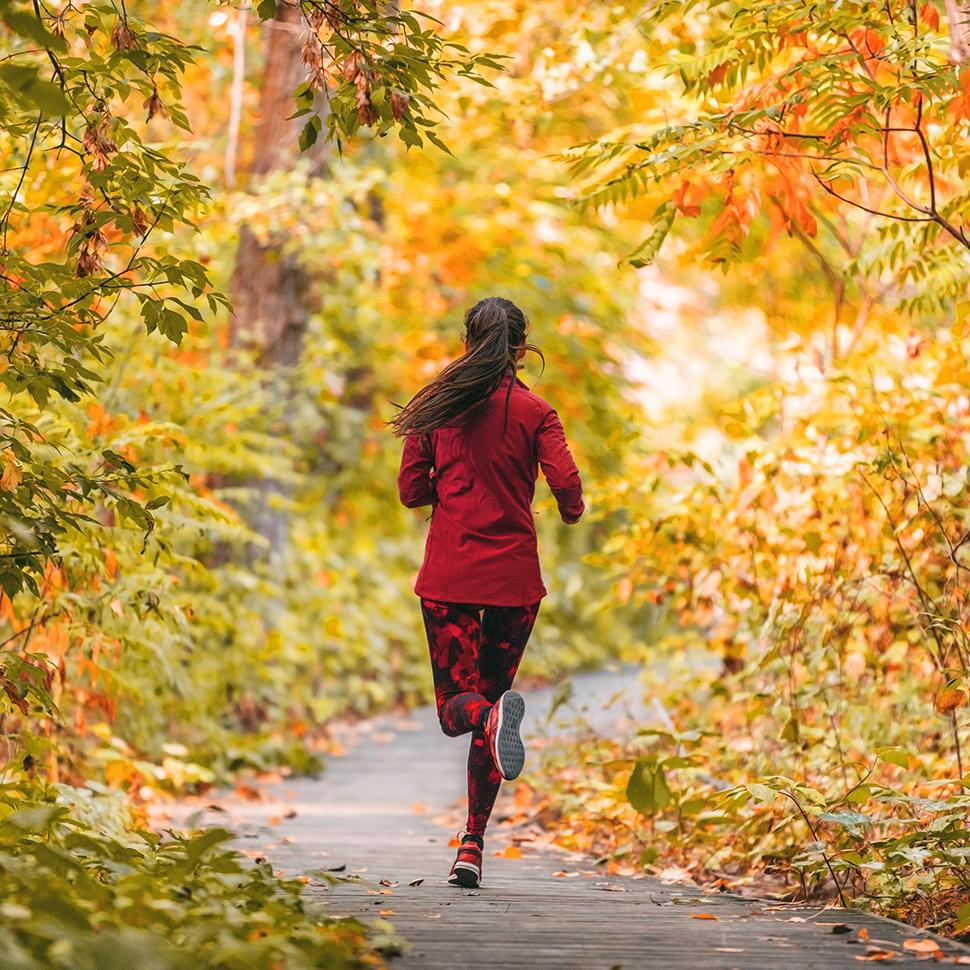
pixel 381 814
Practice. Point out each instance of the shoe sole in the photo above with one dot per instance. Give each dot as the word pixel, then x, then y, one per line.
pixel 465 876
pixel 509 749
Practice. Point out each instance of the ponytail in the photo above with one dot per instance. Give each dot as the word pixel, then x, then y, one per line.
pixel 495 331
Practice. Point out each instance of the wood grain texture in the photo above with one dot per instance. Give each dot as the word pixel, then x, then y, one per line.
pixel 362 815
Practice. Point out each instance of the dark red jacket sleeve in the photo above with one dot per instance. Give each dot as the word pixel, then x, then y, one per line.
pixel 559 468
pixel 415 482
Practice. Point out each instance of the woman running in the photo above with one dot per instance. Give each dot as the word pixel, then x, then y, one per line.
pixel 474 440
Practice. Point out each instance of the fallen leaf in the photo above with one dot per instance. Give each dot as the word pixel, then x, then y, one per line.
pixel 703 916
pixel 388 882
pixel 416 882
pixel 419 808
pixel 339 868
pixel 728 949
pixel 510 852
pixel 921 946
pixel 274 820
pixel 863 934
pixel 386 912
pixel 841 928
pixel 877 956
pixel 675 874
pixel 453 844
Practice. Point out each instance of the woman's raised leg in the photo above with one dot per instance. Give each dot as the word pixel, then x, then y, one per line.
pixel 454 638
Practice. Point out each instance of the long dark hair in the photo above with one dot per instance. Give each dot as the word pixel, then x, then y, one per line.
pixel 495 332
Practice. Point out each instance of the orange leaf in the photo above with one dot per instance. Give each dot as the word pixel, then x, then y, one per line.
pixel 510 852
pixel 679 199
pixel 703 916
pixel 921 946
pixel 950 699
pixel 878 956
pixel 419 808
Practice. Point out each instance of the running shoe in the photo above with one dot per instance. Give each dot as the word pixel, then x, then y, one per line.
pixel 502 734
pixel 467 869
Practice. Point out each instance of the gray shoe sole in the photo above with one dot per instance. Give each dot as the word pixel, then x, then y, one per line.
pixel 509 749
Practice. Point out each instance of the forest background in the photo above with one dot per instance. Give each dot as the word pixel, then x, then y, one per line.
pixel 739 230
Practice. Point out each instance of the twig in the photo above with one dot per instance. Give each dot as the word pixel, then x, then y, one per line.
pixel 825 857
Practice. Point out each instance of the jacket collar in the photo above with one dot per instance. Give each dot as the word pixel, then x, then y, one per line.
pixel 509 375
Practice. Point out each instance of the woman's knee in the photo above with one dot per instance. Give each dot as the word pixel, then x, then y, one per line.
pixel 447 721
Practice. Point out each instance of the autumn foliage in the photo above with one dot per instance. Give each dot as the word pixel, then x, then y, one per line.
pixel 740 231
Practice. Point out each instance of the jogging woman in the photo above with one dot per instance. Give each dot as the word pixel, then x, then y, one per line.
pixel 474 440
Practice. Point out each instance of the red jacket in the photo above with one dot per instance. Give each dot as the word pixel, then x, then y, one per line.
pixel 480 479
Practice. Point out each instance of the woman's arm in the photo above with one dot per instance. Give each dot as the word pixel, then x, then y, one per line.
pixel 559 468
pixel 414 481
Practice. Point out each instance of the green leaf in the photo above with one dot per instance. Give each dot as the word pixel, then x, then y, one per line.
pixel 894 756
pixel 761 793
pixel 847 818
pixel 647 789
pixel 266 9
pixel 309 133
pixel 29 26
pixel 790 731
pixel 647 252
pixel 25 82
pixel 37 818
pixel 963 917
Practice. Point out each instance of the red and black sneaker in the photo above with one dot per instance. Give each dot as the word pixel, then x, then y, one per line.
pixel 467 869
pixel 502 734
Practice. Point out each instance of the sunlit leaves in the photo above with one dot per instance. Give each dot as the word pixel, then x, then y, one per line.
pixel 841 107
pixel 376 66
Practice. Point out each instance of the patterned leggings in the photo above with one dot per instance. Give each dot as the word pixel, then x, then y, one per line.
pixel 475 652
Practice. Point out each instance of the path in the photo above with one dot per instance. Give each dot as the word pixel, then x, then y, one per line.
pixel 383 811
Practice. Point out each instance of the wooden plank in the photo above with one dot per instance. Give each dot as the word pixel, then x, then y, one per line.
pixel 361 814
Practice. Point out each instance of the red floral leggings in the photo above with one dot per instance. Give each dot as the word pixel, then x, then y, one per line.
pixel 475 652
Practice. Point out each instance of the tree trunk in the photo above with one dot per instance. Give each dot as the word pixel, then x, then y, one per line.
pixel 270 287
pixel 958 14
